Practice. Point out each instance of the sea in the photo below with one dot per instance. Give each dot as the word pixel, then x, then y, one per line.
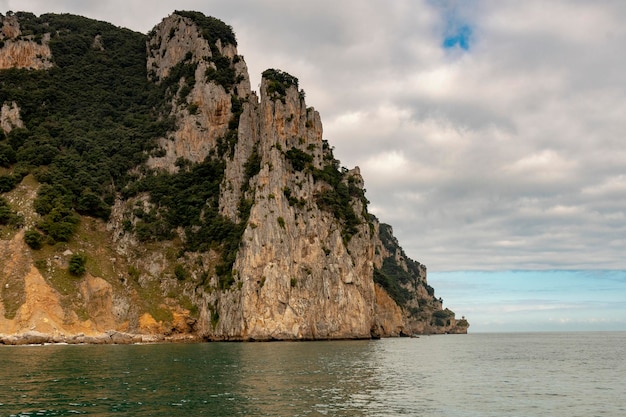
pixel 516 374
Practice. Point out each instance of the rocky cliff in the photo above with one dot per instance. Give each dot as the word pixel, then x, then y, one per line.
pixel 228 218
pixel 20 50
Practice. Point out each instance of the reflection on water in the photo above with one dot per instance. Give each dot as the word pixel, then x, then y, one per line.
pixel 326 377
pixel 457 375
pixel 225 378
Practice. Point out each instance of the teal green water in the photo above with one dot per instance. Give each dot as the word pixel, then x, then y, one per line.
pixel 557 374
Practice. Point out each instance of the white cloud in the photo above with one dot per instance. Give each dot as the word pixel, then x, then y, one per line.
pixel 390 164
pixel 543 166
pixel 610 187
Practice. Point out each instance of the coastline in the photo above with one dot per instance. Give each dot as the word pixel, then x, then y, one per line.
pixel 108 338
pixel 113 337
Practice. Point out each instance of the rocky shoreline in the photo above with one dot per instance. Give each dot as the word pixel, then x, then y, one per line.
pixel 107 338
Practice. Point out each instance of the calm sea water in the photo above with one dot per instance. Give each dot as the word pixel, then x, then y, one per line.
pixel 552 374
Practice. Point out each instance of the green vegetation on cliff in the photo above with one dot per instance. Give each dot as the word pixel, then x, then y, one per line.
pixel 87 121
pixel 7 216
pixel 216 33
pixel 92 119
pixel 400 281
pixel 278 82
pixel 212 29
pixel 338 197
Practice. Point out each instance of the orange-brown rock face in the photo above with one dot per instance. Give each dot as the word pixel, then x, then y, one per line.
pixel 40 306
pixel 22 53
pixel 389 317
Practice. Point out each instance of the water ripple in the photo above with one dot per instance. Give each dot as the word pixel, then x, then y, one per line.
pixel 562 375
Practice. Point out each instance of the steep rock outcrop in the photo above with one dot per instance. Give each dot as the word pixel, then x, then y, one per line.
pixel 389 317
pixel 296 276
pixel 201 108
pixel 22 52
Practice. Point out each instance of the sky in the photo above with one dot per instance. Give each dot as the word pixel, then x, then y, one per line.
pixel 490 135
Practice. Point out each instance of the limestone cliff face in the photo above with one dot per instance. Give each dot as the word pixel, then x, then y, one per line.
pixel 22 52
pixel 201 108
pixel 302 258
pixel 295 276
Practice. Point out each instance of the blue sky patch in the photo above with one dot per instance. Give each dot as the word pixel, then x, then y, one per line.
pixel 457 26
pixel 460 37
pixel 533 301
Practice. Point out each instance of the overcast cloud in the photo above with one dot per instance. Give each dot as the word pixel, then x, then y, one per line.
pixel 490 133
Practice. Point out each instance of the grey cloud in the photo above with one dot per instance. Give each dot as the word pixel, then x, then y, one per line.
pixel 507 156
